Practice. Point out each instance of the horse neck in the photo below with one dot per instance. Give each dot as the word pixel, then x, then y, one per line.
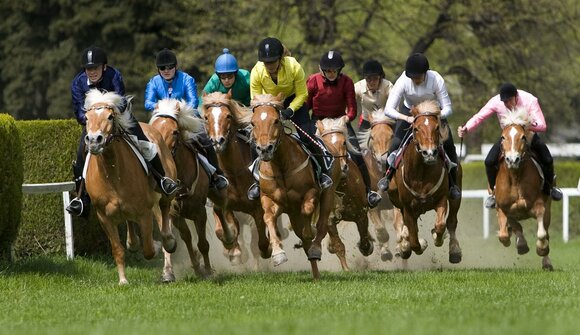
pixel 286 153
pixel 185 162
pixel 117 154
pixel 234 153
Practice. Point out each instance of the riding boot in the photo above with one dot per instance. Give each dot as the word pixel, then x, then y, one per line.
pixel 168 185
pixel 384 182
pixel 549 181
pixel 323 179
pixel 254 190
pixel 81 204
pixel 491 172
pixel 454 191
pixel 218 180
pixel 373 198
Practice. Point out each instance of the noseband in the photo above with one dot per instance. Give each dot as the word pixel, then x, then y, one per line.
pixel 117 131
pixel 334 131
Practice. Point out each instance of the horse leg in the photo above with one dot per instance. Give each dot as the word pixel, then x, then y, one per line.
pixel 374 215
pixel 365 244
pixel 133 241
pixel 403 248
pixel 271 214
pixel 503 233
pixel 543 242
pixel 418 246
pixel 117 249
pixel 455 254
pixel 438 231
pixel 263 241
pixel 224 229
pixel 161 213
pixel 336 246
pixel 235 252
pixel 200 221
pixel 521 243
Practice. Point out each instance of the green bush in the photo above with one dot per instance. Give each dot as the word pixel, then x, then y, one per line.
pixel 10 184
pixel 49 147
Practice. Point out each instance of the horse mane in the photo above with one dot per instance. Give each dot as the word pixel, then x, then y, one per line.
pixel 519 116
pixel 113 100
pixel 242 114
pixel 337 124
pixel 184 115
pixel 377 115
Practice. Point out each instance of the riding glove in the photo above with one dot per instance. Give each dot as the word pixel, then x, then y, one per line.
pixel 287 113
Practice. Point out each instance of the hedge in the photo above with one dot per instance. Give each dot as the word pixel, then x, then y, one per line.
pixel 10 185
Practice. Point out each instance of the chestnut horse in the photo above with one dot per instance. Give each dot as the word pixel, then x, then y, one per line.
pixel 421 184
pixel 518 190
pixel 224 116
pixel 120 189
pixel 288 184
pixel 175 121
pixel 350 199
pixel 375 143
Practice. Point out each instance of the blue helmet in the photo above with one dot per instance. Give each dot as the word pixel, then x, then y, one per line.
pixel 226 63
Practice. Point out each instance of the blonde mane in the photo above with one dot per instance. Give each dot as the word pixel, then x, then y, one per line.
pixel 242 115
pixel 114 101
pixel 429 106
pixel 337 124
pixel 267 99
pixel 189 125
pixel 377 116
pixel 519 116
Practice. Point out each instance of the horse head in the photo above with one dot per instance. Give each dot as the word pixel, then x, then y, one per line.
pixel 335 135
pixel 268 128
pixel 426 130
pixel 515 138
pixel 176 122
pixel 104 119
pixel 378 138
pixel 223 116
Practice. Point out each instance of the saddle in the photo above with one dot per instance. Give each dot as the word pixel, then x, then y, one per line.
pixel 196 147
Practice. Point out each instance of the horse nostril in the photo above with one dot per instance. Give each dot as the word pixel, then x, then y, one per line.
pixel 270 147
pixel 100 139
pixel 221 140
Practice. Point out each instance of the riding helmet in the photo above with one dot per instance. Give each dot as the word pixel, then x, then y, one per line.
pixel 331 60
pixel 417 64
pixel 93 56
pixel 226 63
pixel 507 91
pixel 373 67
pixel 270 49
pixel 165 57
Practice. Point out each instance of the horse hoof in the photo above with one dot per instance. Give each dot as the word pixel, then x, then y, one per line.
pixel 455 258
pixel 543 251
pixel 236 260
pixel 386 255
pixel 406 254
pixel 279 258
pixel 548 267
pixel 170 244
pixel 168 278
pixel 123 282
pixel 314 253
pixel 523 249
pixel 366 248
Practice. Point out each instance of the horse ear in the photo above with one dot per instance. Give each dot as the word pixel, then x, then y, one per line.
pixel 320 126
pixel 177 106
pixel 280 96
pixel 229 94
pixel 203 93
pixel 414 111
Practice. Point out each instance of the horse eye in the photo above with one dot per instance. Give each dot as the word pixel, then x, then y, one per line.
pixel 229 116
pixel 175 133
pixel 276 121
pixel 110 117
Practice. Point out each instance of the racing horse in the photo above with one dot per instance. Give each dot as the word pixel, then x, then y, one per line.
pixel 288 183
pixel 375 143
pixel 178 126
pixel 119 185
pixel 350 199
pixel 518 190
pixel 421 184
pixel 224 117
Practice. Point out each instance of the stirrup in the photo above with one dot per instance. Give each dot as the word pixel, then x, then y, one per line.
pixel 454 192
pixel 556 194
pixel 373 198
pixel 254 192
pixel 490 202
pixel 168 186
pixel 325 181
pixel 75 207
pixel 219 182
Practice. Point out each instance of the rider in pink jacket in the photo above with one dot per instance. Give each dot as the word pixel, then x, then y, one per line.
pixel 508 99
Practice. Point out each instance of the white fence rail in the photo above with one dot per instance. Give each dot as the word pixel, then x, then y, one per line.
pixel 55 188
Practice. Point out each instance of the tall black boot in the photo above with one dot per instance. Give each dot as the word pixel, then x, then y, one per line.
pixel 373 198
pixel 81 204
pixel 218 180
pixel 454 191
pixel 254 190
pixel 549 179
pixel 323 179
pixel 168 185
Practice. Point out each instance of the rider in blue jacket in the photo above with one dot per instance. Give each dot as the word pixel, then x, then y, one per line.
pixel 174 83
pixel 97 74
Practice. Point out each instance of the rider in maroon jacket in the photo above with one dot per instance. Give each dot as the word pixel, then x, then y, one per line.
pixel 331 95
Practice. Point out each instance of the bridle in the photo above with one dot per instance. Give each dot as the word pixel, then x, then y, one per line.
pixel 281 126
pixel 426 114
pixel 334 131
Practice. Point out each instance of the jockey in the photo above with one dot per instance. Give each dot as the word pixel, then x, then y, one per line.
pixel 331 95
pixel 228 76
pixel 508 99
pixel 97 74
pixel 415 85
pixel 371 92
pixel 274 73
pixel 174 83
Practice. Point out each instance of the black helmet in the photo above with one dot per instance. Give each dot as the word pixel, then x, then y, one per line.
pixel 270 49
pixel 331 60
pixel 165 57
pixel 417 64
pixel 93 56
pixel 373 67
pixel 507 91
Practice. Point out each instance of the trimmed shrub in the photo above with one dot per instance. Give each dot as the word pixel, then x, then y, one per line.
pixel 10 185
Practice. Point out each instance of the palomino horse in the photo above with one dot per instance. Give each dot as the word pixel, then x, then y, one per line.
pixel 375 143
pixel 288 184
pixel 175 121
pixel 350 199
pixel 224 116
pixel 518 190
pixel 421 184
pixel 120 189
